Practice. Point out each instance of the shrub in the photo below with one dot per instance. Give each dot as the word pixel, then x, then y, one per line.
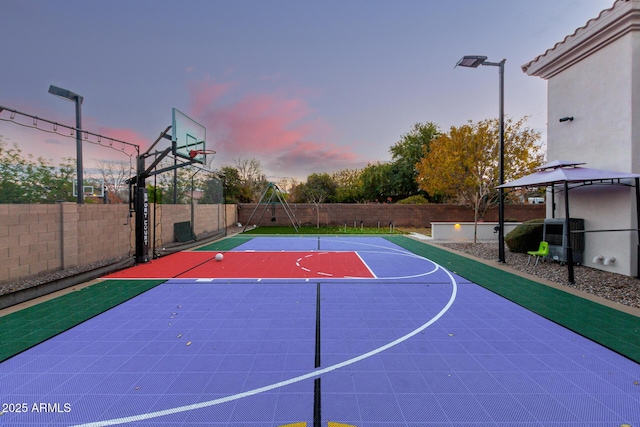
pixel 414 200
pixel 525 237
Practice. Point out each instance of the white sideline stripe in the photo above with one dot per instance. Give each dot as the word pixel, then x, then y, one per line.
pixel 270 387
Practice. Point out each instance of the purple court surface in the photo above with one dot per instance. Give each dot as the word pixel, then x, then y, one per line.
pixel 413 346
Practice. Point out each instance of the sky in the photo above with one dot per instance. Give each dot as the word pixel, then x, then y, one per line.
pixel 304 87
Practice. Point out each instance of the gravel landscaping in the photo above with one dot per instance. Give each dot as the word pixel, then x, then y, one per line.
pixel 614 287
pixel 9 286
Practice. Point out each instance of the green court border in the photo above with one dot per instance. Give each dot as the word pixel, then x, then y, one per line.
pixel 614 329
pixel 30 326
pixel 226 244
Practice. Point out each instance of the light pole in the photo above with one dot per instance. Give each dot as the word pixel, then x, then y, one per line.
pixel 475 62
pixel 67 94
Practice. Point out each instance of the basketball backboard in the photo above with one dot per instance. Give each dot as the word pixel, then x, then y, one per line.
pixel 93 187
pixel 187 136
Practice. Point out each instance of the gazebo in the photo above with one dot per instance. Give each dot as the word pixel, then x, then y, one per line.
pixel 568 175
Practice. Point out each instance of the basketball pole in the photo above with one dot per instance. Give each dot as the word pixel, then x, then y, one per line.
pixel 141 200
pixel 141 196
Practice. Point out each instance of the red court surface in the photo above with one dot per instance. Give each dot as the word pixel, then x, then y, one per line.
pixel 254 265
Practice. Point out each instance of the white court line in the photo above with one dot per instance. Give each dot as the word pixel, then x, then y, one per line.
pixel 358 278
pixel 313 374
pixel 366 265
pixel 386 248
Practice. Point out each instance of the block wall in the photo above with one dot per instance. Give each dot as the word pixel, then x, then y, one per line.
pixel 103 232
pixel 37 239
pixel 373 214
pixel 30 239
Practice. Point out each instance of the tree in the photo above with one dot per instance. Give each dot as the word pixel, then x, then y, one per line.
pixel 115 174
pixel 10 173
pixel 56 183
pixel 406 153
pixel 418 199
pixel 213 189
pixel 463 164
pixel 25 180
pixel 251 177
pixel 377 182
pixel 187 179
pixel 287 184
pixel 396 180
pixel 165 183
pixel 155 194
pixel 349 185
pixel 318 189
pixel 233 186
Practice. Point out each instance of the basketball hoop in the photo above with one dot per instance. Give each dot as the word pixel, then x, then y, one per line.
pixel 194 153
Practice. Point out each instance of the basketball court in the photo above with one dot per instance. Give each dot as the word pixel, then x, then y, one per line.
pixel 315 331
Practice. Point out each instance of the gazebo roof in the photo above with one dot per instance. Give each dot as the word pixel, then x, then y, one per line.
pixel 561 171
pixel 571 173
pixel 559 164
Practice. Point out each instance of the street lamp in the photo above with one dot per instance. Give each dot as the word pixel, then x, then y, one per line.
pixel 67 94
pixel 475 62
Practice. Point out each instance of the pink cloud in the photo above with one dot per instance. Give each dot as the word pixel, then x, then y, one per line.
pixel 261 123
pixel 275 126
pixel 316 155
pixel 306 157
pixel 203 94
pixel 123 134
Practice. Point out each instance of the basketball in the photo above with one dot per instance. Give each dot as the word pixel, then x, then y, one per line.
pixel 219 257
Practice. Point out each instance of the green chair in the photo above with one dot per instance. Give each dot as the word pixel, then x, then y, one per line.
pixel 542 251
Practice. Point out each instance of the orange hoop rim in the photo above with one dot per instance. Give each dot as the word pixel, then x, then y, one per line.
pixel 194 153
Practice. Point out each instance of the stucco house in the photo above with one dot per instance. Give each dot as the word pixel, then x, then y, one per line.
pixel 593 85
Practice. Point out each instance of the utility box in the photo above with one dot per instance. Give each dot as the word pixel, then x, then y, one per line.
pixel 554 234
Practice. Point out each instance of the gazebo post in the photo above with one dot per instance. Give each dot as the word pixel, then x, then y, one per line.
pixel 567 232
pixel 553 201
pixel 637 181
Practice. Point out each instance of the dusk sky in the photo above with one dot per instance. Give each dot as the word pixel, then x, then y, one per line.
pixel 301 86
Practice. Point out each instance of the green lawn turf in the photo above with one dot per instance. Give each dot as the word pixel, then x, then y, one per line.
pixel 334 230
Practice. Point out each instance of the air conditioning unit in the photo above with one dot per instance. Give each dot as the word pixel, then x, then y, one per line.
pixel 535 200
pixel 554 234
